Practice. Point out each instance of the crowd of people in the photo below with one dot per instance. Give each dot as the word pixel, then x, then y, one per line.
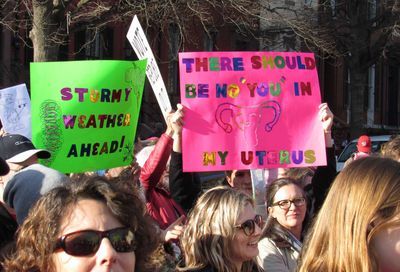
pixel 152 216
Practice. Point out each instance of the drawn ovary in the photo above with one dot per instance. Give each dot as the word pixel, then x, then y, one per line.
pixel 247 119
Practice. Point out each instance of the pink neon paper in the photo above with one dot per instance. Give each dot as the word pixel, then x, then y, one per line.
pixel 274 124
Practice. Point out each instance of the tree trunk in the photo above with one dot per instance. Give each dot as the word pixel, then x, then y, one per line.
pixel 358 96
pixel 44 34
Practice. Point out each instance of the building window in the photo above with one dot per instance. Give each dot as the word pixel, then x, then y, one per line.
pixel 308 3
pixel 128 51
pixel 241 45
pixel 63 52
pixel 94 45
pixel 393 96
pixel 290 3
pixel 333 7
pixel 99 44
pixel 379 89
pixel 346 96
pixel 28 54
pixel 372 9
pixel 210 40
pixel 371 96
pixel 80 41
pixel 174 44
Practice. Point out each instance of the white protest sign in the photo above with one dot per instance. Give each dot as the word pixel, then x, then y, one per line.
pixel 15 110
pixel 258 183
pixel 141 46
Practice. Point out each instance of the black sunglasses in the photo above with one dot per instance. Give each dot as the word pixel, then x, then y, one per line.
pixel 249 226
pixel 87 242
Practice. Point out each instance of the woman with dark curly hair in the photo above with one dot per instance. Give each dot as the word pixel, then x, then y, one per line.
pixel 86 225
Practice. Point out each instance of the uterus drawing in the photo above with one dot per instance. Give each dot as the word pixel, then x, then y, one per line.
pixel 248 119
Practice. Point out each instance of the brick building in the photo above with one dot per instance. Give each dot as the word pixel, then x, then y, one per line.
pixel 381 107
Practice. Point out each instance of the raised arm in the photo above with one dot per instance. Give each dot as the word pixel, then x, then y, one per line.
pixel 324 175
pixel 155 165
pixel 184 187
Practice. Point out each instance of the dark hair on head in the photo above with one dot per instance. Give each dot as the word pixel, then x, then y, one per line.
pixel 228 173
pixel 38 234
pixel 272 228
pixel 299 174
pixel 391 149
pixel 126 180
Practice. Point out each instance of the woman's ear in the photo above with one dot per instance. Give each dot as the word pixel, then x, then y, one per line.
pixel 270 211
pixel 230 181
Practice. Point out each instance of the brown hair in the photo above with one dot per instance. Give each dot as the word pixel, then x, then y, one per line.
pixel 299 174
pixel 391 149
pixel 39 232
pixel 272 229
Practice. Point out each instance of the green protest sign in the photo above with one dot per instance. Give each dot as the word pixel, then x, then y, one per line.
pixel 86 112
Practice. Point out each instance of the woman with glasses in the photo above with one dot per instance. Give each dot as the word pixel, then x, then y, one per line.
pixel 358 226
pixel 222 233
pixel 88 225
pixel 280 244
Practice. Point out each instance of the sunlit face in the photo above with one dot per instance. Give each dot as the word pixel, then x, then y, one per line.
pixel 91 214
pixel 241 180
pixel 244 247
pixel 386 246
pixel 293 217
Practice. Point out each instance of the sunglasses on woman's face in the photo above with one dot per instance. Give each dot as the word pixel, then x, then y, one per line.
pixel 87 242
pixel 249 226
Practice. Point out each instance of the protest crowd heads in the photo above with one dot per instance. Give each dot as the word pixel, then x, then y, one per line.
pixel 16 148
pixel 364 144
pixel 209 238
pixel 4 169
pixel 391 149
pixel 64 210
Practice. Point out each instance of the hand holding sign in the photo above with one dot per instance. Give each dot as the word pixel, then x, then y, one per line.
pixel 326 116
pixel 176 119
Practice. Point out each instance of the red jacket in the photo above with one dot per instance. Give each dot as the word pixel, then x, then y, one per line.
pixel 159 203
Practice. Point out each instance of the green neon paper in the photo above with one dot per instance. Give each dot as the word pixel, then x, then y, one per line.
pixel 73 108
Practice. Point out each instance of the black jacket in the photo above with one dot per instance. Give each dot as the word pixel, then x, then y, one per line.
pixel 184 188
pixel 323 179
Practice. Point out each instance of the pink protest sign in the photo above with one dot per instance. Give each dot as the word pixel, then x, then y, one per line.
pixel 248 110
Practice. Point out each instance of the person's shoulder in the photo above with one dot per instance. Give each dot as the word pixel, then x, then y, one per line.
pixel 267 241
pixel 40 167
pixel 41 172
pixel 44 169
pixel 205 269
pixel 267 244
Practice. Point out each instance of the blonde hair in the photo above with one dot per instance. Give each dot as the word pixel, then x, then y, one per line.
pixel 207 239
pixel 364 199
